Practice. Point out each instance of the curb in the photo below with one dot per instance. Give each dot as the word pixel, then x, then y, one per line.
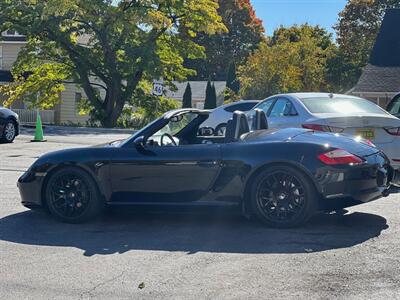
pixel 82 129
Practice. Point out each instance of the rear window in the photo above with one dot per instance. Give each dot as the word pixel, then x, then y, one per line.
pixel 245 106
pixel 341 105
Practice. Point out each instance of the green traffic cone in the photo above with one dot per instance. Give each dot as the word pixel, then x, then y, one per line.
pixel 38 130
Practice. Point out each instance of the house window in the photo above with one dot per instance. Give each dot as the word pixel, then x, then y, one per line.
pixel 78 98
pixel 11 32
pixel 1 57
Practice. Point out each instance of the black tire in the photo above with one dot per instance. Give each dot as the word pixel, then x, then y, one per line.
pixel 283 197
pixel 9 132
pixel 220 129
pixel 72 196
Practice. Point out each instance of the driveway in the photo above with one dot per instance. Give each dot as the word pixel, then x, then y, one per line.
pixel 129 254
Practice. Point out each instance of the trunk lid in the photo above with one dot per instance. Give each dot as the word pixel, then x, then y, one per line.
pixel 339 141
pixel 368 125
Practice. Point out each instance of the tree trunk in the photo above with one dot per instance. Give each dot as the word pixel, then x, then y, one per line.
pixel 112 106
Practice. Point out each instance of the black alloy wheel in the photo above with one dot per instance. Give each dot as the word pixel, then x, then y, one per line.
pixel 72 196
pixel 9 132
pixel 283 197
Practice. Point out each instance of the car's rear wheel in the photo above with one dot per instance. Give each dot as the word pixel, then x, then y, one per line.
pixel 72 196
pixel 9 132
pixel 283 197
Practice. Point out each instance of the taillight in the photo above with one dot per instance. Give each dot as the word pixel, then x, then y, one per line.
pixel 339 157
pixel 393 131
pixel 318 127
pixel 369 143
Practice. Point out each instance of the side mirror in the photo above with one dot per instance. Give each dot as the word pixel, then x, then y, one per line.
pixel 140 142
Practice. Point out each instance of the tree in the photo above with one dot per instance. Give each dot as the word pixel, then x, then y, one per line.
pixel 232 82
pixel 358 26
pixel 294 59
pixel 245 32
pixel 187 97
pixel 211 97
pixel 117 44
pixel 232 85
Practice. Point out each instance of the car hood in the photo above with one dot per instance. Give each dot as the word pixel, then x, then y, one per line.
pixel 351 144
pixel 115 143
pixel 5 112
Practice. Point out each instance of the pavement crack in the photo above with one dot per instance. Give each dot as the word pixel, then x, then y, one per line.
pixel 89 293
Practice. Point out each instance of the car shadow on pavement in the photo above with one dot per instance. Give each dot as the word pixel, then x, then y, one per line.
pixel 120 231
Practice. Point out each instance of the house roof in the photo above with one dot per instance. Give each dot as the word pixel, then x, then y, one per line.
pixel 18 38
pixel 382 74
pixel 198 89
pixel 379 79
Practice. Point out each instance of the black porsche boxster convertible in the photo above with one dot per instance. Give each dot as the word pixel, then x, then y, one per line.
pixel 280 176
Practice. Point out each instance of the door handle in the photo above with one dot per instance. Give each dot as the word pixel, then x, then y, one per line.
pixel 208 163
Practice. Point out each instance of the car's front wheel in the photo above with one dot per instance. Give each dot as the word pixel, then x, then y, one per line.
pixel 283 197
pixel 9 132
pixel 72 196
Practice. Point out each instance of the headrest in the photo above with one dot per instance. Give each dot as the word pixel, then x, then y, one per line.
pixel 260 120
pixel 236 127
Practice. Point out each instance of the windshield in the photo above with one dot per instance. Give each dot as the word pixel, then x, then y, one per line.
pixel 344 105
pixel 176 124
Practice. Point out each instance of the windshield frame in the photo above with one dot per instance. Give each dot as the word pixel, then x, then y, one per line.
pixel 159 123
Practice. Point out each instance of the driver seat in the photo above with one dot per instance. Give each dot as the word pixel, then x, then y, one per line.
pixel 236 127
pixel 260 120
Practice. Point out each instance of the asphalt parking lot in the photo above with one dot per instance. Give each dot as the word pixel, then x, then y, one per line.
pixel 132 255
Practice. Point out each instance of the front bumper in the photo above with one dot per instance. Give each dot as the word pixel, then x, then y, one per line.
pixel 30 189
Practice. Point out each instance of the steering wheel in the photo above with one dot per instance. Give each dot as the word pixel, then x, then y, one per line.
pixel 168 136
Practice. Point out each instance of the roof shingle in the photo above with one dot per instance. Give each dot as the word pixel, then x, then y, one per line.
pixel 382 74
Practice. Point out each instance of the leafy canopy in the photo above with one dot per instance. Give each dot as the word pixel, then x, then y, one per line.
pixel 294 59
pixel 117 44
pixel 245 32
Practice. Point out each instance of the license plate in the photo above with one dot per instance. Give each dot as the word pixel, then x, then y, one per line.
pixel 366 133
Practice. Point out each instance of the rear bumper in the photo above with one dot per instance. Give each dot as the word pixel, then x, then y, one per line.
pixel 30 189
pixel 352 185
pixel 392 152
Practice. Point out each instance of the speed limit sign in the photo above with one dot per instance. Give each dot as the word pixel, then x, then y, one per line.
pixel 158 89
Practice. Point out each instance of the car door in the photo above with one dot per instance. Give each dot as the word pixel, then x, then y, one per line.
pixel 283 114
pixel 164 174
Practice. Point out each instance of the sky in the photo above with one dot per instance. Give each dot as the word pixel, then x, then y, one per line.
pixel 288 12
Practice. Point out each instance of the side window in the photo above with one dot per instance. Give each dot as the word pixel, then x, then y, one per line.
pixel 283 108
pixel 265 106
pixel 394 107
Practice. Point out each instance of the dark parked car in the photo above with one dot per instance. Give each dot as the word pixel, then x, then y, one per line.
pixel 9 125
pixel 394 106
pixel 282 177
